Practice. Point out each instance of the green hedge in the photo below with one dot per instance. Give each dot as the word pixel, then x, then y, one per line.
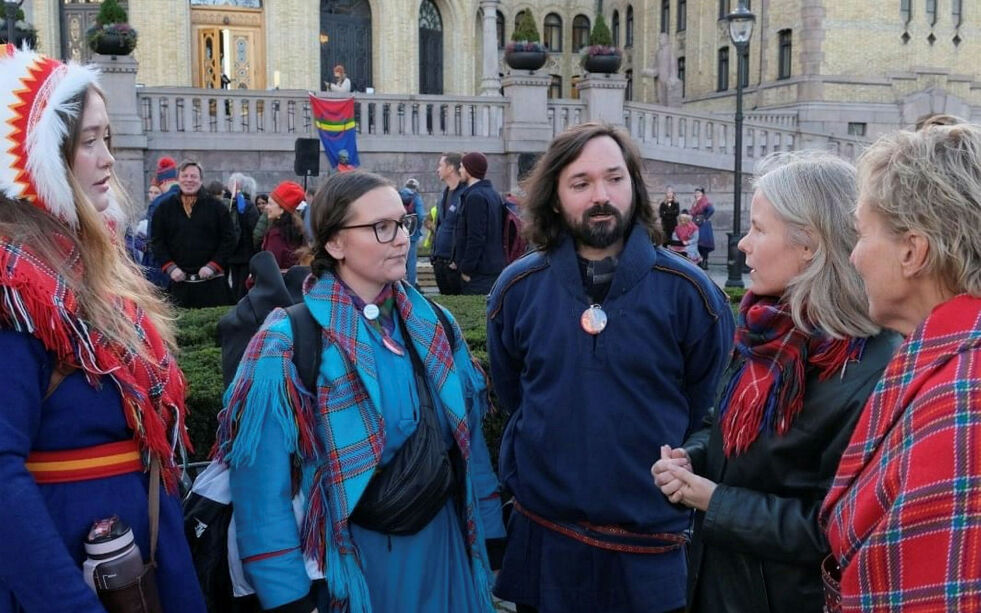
pixel 200 357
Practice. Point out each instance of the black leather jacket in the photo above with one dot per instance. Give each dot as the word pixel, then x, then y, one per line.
pixel 758 546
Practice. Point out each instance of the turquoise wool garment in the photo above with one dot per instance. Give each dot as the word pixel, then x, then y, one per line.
pixel 339 439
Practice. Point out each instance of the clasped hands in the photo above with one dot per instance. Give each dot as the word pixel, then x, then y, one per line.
pixel 673 475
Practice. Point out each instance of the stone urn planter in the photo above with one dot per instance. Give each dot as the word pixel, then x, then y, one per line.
pixel 603 63
pixel 525 56
pixel 23 32
pixel 112 39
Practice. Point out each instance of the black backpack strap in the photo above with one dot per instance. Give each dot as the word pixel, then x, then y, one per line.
pixel 307 344
pixel 445 322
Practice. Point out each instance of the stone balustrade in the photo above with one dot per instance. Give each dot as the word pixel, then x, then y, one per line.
pixel 190 118
pixel 705 139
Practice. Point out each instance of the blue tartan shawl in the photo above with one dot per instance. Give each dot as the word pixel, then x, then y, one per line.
pixel 341 431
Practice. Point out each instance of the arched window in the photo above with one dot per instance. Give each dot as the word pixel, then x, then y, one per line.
pixel 517 18
pixel 630 26
pixel 931 11
pixel 580 32
pixel 552 31
pixel 616 28
pixel 430 49
pixel 905 10
pixel 500 30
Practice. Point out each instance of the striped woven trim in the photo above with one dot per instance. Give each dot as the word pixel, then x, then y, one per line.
pixel 95 462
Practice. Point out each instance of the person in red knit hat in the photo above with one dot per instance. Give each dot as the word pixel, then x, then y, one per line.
pixel 285 234
pixel 93 399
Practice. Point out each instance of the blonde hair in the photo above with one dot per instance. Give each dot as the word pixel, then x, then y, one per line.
pixel 929 181
pixel 108 273
pixel 814 194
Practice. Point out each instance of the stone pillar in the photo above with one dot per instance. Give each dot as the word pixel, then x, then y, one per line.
pixel 490 84
pixel 603 94
pixel 118 81
pixel 526 125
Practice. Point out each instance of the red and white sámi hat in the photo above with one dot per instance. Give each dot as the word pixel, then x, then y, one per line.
pixel 36 93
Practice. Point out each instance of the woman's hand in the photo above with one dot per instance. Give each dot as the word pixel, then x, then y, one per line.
pixel 681 486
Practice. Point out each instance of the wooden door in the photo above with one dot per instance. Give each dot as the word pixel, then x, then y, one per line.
pixel 77 16
pixel 229 48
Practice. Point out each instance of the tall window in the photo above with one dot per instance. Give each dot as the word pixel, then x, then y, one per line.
pixel 681 74
pixel 723 8
pixel 665 16
pixel 682 15
pixel 743 67
pixel 500 30
pixel 722 81
pixel 553 32
pixel 628 94
pixel 574 87
pixel 783 60
pixel 580 32
pixel 555 87
pixel 616 28
pixel 955 11
pixel 630 26
pixel 905 10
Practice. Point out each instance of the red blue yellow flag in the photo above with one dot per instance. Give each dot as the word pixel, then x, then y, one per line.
pixel 338 132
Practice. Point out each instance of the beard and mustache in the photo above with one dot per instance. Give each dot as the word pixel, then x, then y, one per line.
pixel 599 235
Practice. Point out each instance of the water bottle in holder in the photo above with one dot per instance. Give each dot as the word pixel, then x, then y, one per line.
pixel 114 568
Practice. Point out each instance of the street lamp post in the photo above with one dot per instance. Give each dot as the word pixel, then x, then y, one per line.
pixel 741 23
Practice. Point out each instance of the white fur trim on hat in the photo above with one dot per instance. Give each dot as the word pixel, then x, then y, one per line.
pixel 46 129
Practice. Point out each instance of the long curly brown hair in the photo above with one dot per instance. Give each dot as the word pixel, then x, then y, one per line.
pixel 543 223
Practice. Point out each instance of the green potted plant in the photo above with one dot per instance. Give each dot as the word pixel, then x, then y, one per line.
pixel 601 56
pixel 525 51
pixel 23 31
pixel 111 34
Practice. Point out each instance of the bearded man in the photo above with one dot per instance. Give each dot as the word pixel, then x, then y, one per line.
pixel 603 347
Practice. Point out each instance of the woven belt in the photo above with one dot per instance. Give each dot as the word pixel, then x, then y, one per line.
pixel 94 462
pixel 612 538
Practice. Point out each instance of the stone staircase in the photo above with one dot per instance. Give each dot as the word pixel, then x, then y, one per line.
pixel 426 277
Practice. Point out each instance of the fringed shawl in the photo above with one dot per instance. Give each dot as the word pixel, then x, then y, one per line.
pixel 342 432
pixel 35 299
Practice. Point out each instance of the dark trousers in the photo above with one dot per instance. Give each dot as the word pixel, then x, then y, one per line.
pixel 238 274
pixel 447 279
pixel 199 294
pixel 478 285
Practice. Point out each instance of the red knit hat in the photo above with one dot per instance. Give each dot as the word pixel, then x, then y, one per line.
pixel 475 164
pixel 166 172
pixel 288 195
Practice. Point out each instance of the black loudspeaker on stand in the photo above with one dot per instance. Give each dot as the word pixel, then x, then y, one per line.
pixel 306 160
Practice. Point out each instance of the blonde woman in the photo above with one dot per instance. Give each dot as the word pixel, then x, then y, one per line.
pixel 904 515
pixel 91 393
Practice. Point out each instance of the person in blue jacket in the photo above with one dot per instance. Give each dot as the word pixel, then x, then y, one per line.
pixel 412 201
pixel 328 445
pixel 602 344
pixel 92 397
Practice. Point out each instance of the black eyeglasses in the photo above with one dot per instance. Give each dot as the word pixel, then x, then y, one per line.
pixel 387 229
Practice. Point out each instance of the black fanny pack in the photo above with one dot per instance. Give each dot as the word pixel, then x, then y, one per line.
pixel 407 493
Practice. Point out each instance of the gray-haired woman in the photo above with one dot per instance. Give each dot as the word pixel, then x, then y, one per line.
pixel 807 357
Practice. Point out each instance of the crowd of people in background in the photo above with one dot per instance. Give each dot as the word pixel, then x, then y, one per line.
pixel 820 450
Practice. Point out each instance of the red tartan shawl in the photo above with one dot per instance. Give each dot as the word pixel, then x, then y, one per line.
pixel 685 230
pixel 767 391
pixel 903 516
pixel 35 299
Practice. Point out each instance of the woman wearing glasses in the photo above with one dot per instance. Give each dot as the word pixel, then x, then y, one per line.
pixel 393 385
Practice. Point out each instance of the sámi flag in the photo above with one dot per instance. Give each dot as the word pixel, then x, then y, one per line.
pixel 334 119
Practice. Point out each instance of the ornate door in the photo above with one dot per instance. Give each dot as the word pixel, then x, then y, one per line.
pixel 345 38
pixel 77 16
pixel 228 48
pixel 430 49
